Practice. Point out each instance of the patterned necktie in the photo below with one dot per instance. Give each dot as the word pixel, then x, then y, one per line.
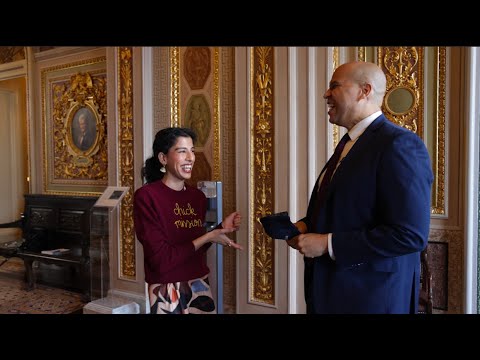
pixel 331 166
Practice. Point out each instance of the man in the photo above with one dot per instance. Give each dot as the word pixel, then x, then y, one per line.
pixel 366 224
pixel 84 138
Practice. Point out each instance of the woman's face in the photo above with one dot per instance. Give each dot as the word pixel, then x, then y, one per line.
pixel 179 160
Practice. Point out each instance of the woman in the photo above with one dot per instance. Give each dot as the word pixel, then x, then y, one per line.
pixel 169 217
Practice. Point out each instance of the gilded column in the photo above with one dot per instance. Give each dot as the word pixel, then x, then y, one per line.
pixel 261 256
pixel 126 166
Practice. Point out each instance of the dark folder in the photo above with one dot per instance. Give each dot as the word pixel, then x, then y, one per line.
pixel 279 226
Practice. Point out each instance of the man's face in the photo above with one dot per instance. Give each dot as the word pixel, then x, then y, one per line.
pixel 342 97
pixel 82 123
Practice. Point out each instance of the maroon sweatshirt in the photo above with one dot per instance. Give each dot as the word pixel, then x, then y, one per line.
pixel 166 221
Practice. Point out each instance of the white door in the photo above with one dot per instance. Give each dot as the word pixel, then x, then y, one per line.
pixel 13 154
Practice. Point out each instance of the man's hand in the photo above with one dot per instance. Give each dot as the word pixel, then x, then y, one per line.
pixel 302 228
pixel 310 245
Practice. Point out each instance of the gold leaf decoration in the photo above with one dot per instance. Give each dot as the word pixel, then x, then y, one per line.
pixel 82 92
pixel 403 67
pixel 126 168
pixel 261 257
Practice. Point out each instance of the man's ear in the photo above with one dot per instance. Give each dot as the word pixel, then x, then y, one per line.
pixel 366 89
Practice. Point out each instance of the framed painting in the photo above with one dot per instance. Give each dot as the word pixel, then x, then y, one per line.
pixel 82 128
pixel 74 110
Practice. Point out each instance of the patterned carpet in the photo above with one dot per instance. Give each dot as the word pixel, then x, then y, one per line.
pixel 14 299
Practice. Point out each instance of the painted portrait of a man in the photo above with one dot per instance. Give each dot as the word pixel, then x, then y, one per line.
pixel 84 130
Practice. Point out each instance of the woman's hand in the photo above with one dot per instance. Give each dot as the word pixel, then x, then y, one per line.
pixel 218 236
pixel 232 221
pixel 230 224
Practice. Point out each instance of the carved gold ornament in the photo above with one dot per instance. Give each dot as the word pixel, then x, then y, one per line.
pixel 261 255
pixel 127 165
pixel 403 102
pixel 74 126
pixel 83 96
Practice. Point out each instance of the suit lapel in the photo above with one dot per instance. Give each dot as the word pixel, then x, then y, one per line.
pixel 363 141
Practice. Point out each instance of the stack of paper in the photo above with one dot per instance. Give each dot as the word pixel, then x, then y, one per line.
pixel 56 252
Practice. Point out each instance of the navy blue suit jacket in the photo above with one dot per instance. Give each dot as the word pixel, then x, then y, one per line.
pixel 378 211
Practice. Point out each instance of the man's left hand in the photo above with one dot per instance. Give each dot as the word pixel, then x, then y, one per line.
pixel 311 244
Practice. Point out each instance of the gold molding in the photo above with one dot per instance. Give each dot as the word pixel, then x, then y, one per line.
pixel 361 53
pixel 413 74
pixel 261 255
pixel 177 63
pixel 83 173
pixel 175 86
pixel 126 164
pixel 403 67
pixel 438 191
pixel 228 168
pixel 216 117
pixel 335 64
pixel 335 57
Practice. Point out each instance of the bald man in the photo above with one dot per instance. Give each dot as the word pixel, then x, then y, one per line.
pixel 368 216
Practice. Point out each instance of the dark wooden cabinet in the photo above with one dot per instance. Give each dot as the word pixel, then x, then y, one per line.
pixel 58 222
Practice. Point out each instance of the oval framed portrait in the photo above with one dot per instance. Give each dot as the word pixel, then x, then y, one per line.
pixel 82 129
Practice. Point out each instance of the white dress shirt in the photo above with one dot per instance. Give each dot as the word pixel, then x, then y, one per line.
pixel 354 134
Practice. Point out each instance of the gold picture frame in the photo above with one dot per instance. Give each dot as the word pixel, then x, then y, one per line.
pixel 73 101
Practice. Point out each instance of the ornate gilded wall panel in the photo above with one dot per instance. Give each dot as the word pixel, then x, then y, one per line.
pixel 261 246
pixel 226 141
pixel 126 161
pixel 195 103
pixel 74 128
pixel 203 99
pixel 175 86
pixel 416 100
pixel 436 116
pixel 404 98
pixel 335 64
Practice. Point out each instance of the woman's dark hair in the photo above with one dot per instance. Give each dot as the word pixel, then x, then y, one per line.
pixel 164 140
